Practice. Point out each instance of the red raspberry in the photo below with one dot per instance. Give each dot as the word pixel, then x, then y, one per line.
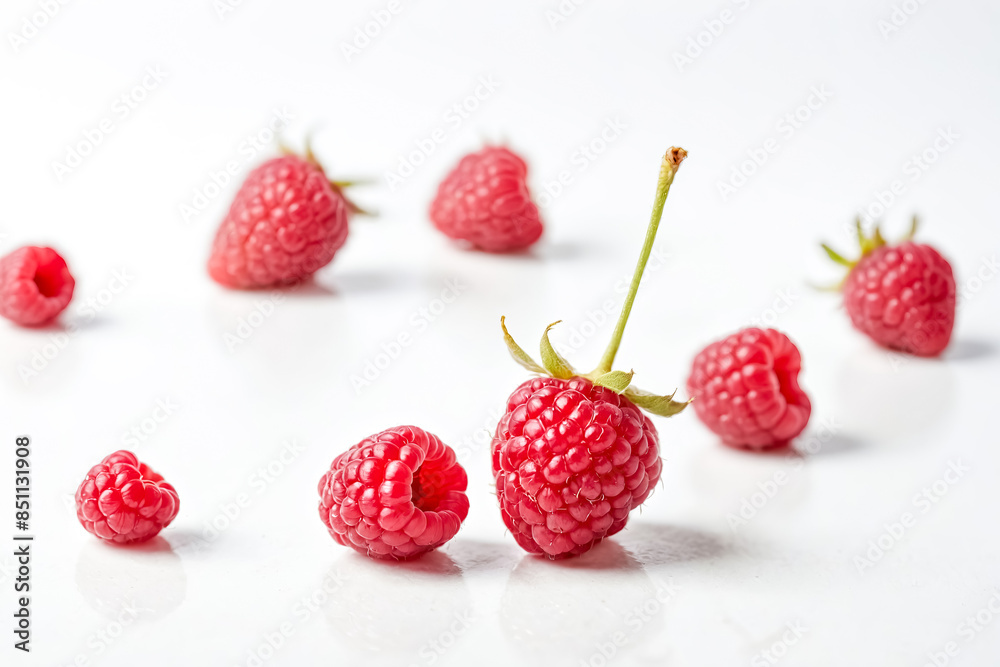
pixel 35 285
pixel 573 454
pixel 396 494
pixel 571 459
pixel 485 201
pixel 123 500
pixel 746 389
pixel 286 222
pixel 903 297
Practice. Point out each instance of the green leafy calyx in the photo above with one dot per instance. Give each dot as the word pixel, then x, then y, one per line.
pixel 866 243
pixel 554 365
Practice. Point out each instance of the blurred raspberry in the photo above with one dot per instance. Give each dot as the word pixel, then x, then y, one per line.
pixel 35 285
pixel 745 388
pixel 485 201
pixel 903 297
pixel 286 222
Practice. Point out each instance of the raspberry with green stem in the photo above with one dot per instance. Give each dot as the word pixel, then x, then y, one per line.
pixel 574 454
pixel 902 295
pixel 603 375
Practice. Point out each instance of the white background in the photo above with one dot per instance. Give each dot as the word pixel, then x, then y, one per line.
pixel 885 427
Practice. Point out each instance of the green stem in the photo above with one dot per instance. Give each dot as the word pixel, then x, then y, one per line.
pixel 671 161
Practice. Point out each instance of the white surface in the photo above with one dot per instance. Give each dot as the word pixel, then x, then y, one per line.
pixel 887 426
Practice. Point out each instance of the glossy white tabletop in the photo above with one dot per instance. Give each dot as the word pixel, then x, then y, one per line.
pixel 877 545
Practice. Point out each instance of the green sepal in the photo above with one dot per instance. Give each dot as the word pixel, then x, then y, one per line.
pixel 352 182
pixel 868 243
pixel 664 406
pixel 520 356
pixel 616 381
pixel 837 257
pixel 338 186
pixel 553 362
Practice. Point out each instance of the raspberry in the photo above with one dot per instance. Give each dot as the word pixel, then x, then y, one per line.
pixel 746 389
pixel 903 296
pixel 123 500
pixel 573 454
pixel 286 222
pixel 571 459
pixel 35 285
pixel 396 494
pixel 485 201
